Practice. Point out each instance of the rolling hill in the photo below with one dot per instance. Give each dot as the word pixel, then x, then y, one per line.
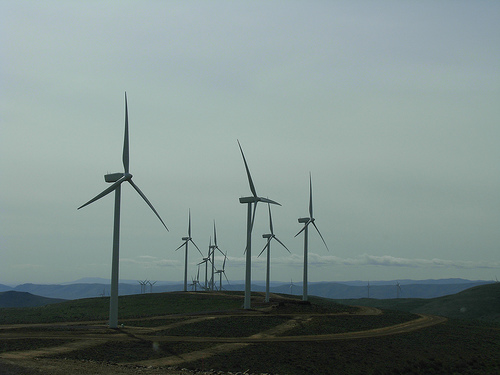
pixel 477 303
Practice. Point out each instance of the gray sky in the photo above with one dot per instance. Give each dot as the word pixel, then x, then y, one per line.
pixel 392 106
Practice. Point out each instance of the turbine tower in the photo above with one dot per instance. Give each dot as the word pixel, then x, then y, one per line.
pixel 185 244
pixel 306 221
pixel 117 179
pixel 270 237
pixel 254 199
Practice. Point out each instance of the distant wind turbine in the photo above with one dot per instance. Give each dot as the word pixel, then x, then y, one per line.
pixel 398 289
pixel 254 199
pixel 270 237
pixel 186 244
pixel 151 286
pixel 196 282
pixel 306 221
pixel 291 286
pixel 222 272
pixel 205 261
pixel 213 248
pixel 117 179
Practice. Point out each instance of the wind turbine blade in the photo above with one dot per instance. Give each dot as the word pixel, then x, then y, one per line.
pixel 226 277
pixel 217 247
pixel 250 182
pixel 215 235
pixel 184 243
pixel 195 246
pixel 320 235
pixel 104 193
pixel 303 228
pixel 125 140
pixel 265 247
pixel 253 216
pixel 310 197
pixel 189 224
pixel 224 263
pixel 270 219
pixel 266 200
pixel 282 244
pixel 147 201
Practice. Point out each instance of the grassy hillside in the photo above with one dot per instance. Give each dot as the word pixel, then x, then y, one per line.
pixel 477 303
pixel 134 306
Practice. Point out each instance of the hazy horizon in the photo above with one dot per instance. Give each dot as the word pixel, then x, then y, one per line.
pixel 392 106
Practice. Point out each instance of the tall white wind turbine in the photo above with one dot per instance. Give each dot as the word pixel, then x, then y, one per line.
pixel 186 244
pixel 254 199
pixel 117 179
pixel 270 237
pixel 306 221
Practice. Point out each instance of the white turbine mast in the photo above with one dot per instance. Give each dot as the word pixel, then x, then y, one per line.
pixel 270 236
pixel 254 199
pixel 186 244
pixel 117 179
pixel 306 221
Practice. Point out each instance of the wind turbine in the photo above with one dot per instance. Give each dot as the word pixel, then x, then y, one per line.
pixel 205 261
pixel 196 282
pixel 151 286
pixel 222 271
pixel 291 286
pixel 398 289
pixel 368 287
pixel 185 244
pixel 143 283
pixel 307 221
pixel 117 179
pixel 213 248
pixel 270 237
pixel 254 199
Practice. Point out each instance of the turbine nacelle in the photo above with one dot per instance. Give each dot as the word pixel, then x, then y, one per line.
pixel 186 238
pixel 257 199
pixel 305 220
pixel 268 235
pixel 113 177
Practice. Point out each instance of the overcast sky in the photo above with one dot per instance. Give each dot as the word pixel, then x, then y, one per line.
pixel 392 106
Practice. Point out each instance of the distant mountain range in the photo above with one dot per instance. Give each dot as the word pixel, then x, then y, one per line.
pixel 92 287
pixel 24 299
